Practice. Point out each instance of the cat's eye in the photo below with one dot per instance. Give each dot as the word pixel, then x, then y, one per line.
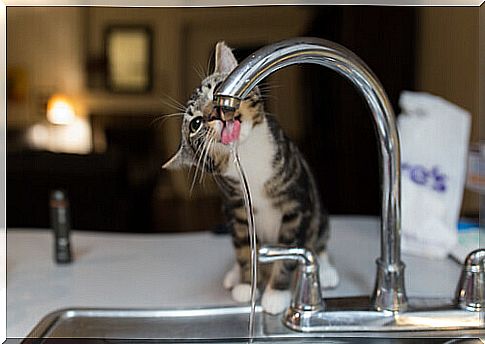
pixel 195 124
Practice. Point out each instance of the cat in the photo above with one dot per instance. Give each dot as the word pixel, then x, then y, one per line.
pixel 286 202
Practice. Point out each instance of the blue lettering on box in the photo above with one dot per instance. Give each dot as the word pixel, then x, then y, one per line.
pixel 420 175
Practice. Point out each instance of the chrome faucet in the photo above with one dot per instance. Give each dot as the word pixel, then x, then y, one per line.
pixel 389 293
pixel 470 292
pixel 308 293
pixel 389 308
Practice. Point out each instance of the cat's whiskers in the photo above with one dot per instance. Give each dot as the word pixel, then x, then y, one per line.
pixel 195 174
pixel 207 70
pixel 205 143
pixel 163 118
pixel 268 96
pixel 265 91
pixel 212 154
pixel 209 146
pixel 204 154
pixel 198 148
pixel 200 71
pixel 172 102
pixel 198 169
pixel 268 87
pixel 202 164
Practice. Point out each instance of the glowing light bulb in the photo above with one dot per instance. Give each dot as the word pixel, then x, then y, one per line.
pixel 60 110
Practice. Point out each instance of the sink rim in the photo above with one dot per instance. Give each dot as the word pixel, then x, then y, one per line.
pixel 268 326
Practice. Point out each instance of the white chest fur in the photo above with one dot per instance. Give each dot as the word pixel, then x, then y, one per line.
pixel 256 154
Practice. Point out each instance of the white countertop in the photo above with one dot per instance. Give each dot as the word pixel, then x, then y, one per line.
pixel 177 270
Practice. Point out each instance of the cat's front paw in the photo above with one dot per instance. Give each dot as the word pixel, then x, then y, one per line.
pixel 232 277
pixel 328 273
pixel 241 293
pixel 275 301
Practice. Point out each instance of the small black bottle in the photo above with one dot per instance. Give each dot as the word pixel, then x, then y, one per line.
pixel 61 224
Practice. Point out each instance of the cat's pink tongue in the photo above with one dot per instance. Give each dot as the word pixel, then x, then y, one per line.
pixel 230 132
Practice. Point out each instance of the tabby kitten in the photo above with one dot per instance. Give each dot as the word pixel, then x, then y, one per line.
pixel 285 198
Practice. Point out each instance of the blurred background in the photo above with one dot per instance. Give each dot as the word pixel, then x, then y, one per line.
pixel 88 86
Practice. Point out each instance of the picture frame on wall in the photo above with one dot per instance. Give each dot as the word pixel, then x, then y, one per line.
pixel 129 58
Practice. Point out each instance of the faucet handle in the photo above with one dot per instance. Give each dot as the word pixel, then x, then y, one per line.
pixel 307 295
pixel 470 293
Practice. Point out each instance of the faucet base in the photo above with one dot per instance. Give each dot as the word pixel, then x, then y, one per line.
pixel 358 315
pixel 389 293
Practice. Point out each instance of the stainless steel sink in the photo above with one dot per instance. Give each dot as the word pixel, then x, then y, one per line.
pixel 226 324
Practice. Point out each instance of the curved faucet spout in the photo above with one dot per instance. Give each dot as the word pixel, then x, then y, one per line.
pixel 389 293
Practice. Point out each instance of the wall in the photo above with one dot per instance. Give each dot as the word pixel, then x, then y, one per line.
pixel 482 73
pixel 49 58
pixel 447 64
pixel 482 101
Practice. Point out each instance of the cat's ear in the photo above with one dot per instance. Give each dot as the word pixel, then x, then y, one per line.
pixel 179 160
pixel 225 60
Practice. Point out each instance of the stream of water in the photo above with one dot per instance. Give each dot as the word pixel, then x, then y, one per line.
pixel 252 236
